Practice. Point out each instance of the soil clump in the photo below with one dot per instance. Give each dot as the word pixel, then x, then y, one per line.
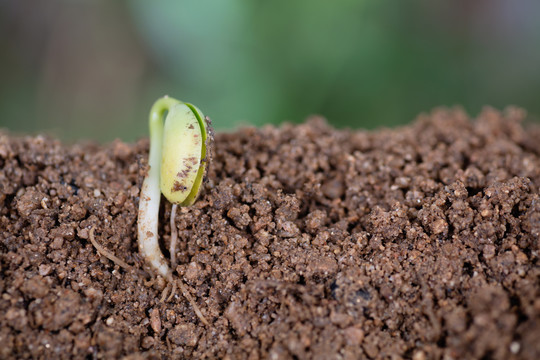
pixel 418 242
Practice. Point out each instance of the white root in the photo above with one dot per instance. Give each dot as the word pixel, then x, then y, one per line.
pixel 103 251
pixel 196 308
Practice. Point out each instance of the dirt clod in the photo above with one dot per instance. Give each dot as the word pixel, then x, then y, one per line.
pixel 306 242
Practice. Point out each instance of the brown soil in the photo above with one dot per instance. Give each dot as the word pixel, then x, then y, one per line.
pixel 307 242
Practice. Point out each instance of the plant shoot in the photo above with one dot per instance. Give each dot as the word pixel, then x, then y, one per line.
pixel 177 162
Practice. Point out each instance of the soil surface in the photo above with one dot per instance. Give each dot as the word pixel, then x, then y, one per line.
pixel 307 242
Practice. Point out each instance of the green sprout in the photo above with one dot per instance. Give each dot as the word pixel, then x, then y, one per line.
pixel 177 163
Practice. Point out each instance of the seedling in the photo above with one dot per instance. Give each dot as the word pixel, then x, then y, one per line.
pixel 177 163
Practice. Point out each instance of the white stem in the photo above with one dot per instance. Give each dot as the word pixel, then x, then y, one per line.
pixel 148 227
pixel 174 237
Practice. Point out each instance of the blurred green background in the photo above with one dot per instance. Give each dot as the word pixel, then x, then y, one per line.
pixel 91 69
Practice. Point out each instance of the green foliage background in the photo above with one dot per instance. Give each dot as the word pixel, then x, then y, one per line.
pixel 91 69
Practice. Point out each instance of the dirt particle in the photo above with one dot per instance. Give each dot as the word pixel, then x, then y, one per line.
pixel 16 318
pixel 316 220
pixel 439 226
pixel 354 336
pixel 36 287
pixel 155 320
pixel 321 265
pixel 45 269
pixel 29 201
pixel 147 342
pixel 184 335
pixel 65 308
pixel 489 251
pixel 57 243
pixel 93 294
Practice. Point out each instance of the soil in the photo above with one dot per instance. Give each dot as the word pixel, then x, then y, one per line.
pixel 307 242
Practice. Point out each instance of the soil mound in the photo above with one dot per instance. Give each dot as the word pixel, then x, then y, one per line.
pixel 419 242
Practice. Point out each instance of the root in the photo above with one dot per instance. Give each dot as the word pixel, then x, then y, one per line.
pixel 104 252
pixel 190 299
pixel 173 291
pixel 174 237
pixel 165 297
pixel 164 294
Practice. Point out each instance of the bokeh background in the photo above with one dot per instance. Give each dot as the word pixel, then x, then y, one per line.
pixel 91 69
